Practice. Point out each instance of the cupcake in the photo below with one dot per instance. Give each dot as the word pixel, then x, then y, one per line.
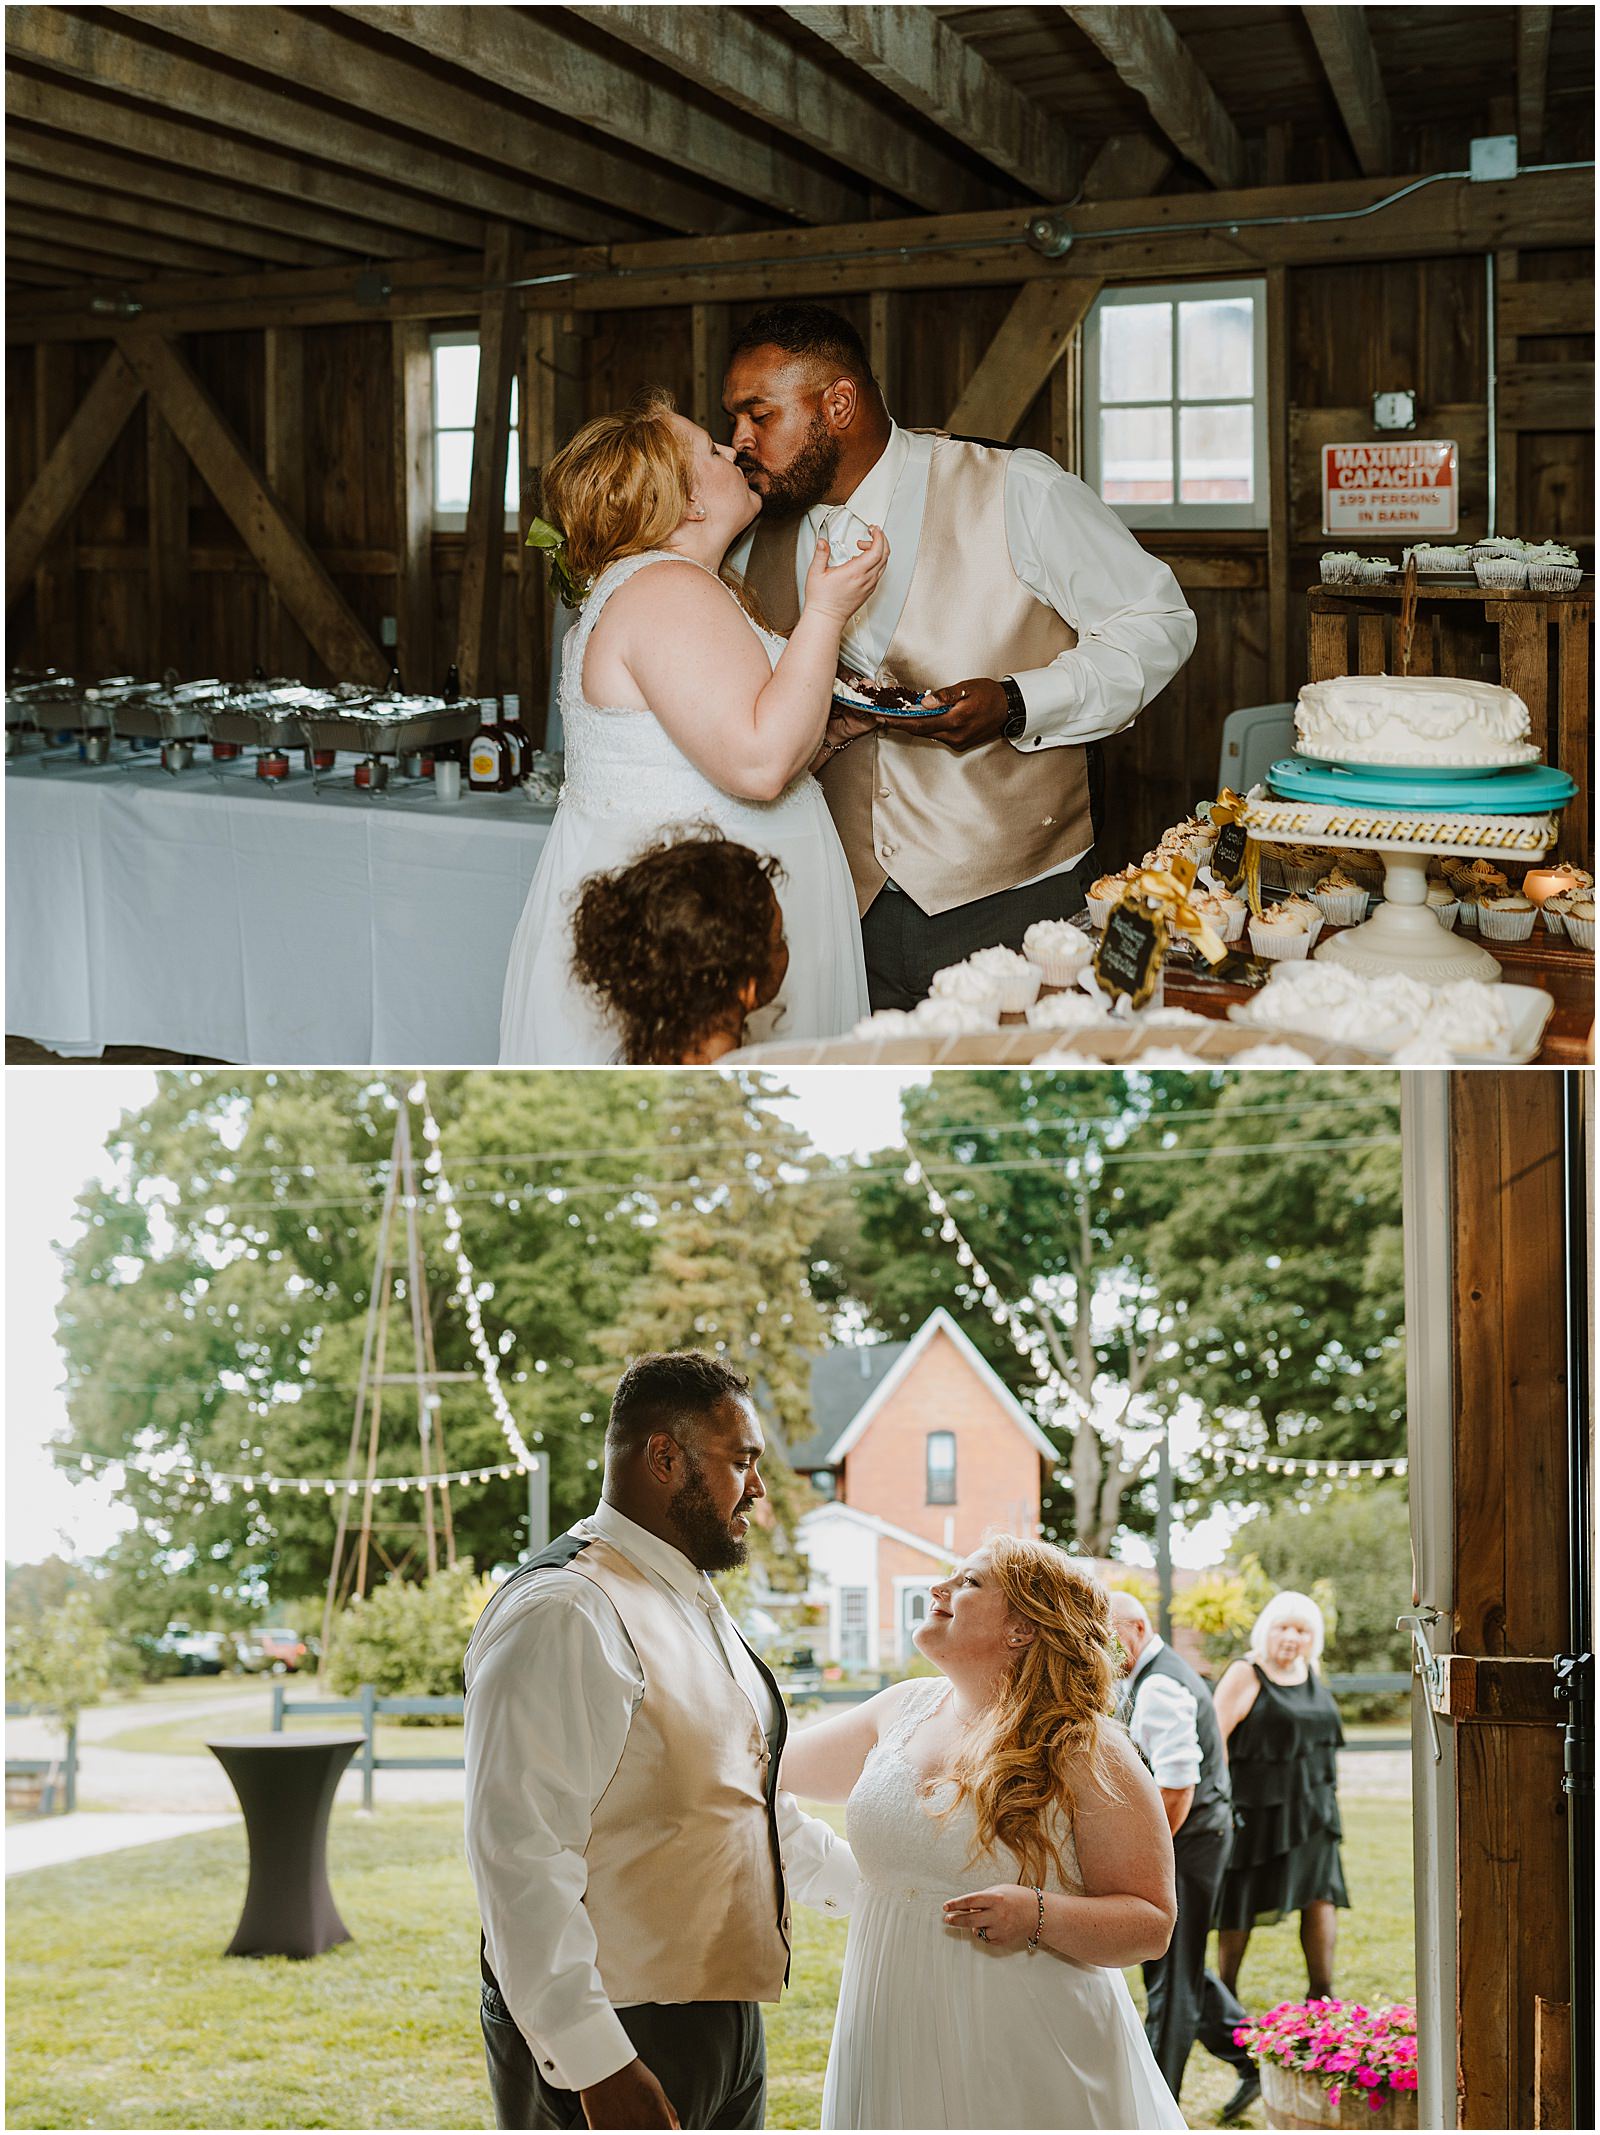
pixel 1236 912
pixel 1508 918
pixel 1341 567
pixel 1068 1011
pixel 1283 931
pixel 1554 910
pixel 1375 569
pixel 1220 913
pixel 1434 558
pixel 1580 922
pixel 1058 948
pixel 1272 1056
pixel 959 982
pixel 1106 892
pixel 886 1023
pixel 1018 980
pixel 943 1016
pixel 1299 867
pixel 1443 903
pixel 1500 562
pixel 1340 898
pixel 1552 568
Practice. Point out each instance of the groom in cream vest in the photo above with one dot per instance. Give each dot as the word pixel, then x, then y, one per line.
pixel 1011 591
pixel 632 1854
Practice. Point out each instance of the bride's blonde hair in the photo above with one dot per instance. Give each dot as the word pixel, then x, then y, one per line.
pixel 1046 1725
pixel 619 486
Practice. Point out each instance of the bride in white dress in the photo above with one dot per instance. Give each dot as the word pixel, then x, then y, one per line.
pixel 677 708
pixel 970 1998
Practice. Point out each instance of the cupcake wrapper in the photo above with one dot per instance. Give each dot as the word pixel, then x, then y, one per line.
pixel 1499 571
pixel 1553 577
pixel 1445 914
pixel 1237 922
pixel 1467 914
pixel 1343 574
pixel 1299 879
pixel 1281 942
pixel 1059 970
pixel 1100 909
pixel 1505 926
pixel 1555 922
pixel 1582 932
pixel 1018 994
pixel 1341 908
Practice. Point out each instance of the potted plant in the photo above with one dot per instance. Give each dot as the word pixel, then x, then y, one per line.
pixel 1328 2064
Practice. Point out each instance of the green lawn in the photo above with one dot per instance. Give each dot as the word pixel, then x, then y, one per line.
pixel 186 1737
pixel 123 2013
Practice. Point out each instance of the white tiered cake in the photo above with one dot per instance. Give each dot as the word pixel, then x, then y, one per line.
pixel 1418 722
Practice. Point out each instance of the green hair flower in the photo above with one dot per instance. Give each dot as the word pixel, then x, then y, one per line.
pixel 542 535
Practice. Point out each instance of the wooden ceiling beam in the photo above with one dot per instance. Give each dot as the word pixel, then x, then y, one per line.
pixel 1344 45
pixel 117 242
pixel 1190 234
pixel 1125 166
pixel 911 52
pixel 301 196
pixel 77 457
pixel 1533 77
pixel 41 188
pixel 99 53
pixel 768 79
pixel 613 195
pixel 523 51
pixel 1152 59
pixel 277 544
pixel 111 270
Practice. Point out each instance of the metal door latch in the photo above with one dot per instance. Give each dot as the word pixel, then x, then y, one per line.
pixel 1429 1668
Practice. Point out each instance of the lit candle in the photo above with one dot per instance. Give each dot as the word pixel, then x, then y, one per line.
pixel 1540 883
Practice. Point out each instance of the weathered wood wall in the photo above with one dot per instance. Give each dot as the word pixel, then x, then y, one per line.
pixel 328 436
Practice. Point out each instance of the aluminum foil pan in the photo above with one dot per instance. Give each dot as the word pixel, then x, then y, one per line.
pixel 46 701
pixel 392 726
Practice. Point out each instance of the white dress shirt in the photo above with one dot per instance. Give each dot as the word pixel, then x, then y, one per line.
pixel 1162 1723
pixel 1071 551
pixel 555 1646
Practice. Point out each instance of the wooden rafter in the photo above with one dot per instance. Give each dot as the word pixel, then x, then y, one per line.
pixel 482 563
pixel 277 544
pixel 910 52
pixel 1195 234
pixel 1020 358
pixel 524 52
pixel 116 240
pixel 1533 74
pixel 1153 60
pixel 101 54
pixel 41 188
pixel 1125 166
pixel 287 192
pixel 1344 45
pixel 73 464
pixel 759 74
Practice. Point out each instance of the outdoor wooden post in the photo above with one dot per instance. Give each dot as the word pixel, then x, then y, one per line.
pixel 1511 1551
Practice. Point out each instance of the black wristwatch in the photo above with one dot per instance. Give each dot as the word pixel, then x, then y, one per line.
pixel 1017 712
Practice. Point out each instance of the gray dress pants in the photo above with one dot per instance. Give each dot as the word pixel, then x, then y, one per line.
pixel 709 2057
pixel 905 946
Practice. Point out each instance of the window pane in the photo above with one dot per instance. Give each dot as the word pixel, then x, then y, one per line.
pixel 1216 348
pixel 513 486
pixel 1136 455
pixel 455 385
pixel 514 416
pixel 452 470
pixel 1218 451
pixel 1135 352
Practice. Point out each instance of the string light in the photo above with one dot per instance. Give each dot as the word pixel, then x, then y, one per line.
pixel 303 1486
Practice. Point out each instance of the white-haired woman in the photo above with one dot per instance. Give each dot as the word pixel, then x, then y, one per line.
pixel 1282 1733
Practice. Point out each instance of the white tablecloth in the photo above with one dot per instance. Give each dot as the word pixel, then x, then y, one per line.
pixel 207 913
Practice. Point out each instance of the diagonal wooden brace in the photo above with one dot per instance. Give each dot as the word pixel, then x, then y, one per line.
pixel 78 456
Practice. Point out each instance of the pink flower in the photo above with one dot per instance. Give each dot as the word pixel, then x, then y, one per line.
pixel 1368 2078
pixel 1374 2101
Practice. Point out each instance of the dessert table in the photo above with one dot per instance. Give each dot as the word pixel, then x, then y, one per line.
pixel 213 914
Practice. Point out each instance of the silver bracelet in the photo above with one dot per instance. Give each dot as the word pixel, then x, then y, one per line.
pixel 1033 1939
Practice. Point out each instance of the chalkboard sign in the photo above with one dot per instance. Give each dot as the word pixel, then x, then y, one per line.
pixel 1227 859
pixel 1128 957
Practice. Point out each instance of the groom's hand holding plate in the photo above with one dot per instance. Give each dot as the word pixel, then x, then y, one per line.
pixel 976 712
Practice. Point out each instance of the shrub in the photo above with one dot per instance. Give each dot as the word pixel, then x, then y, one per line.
pixel 59 1660
pixel 407 1638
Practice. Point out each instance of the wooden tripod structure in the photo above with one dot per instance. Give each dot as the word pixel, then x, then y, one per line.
pixel 347 1574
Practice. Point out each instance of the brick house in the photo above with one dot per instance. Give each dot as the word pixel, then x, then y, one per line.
pixel 919 1448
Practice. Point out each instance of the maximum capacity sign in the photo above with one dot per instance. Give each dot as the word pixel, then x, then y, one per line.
pixel 1403 485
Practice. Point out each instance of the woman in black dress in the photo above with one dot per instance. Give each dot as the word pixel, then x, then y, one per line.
pixel 1282 1733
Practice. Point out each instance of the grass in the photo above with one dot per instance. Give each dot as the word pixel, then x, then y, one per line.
pixel 186 1737
pixel 122 2013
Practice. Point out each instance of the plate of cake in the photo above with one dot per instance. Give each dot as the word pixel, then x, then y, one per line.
pixel 890 700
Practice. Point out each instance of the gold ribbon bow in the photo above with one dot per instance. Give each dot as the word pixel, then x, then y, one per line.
pixel 542 535
pixel 1230 807
pixel 1167 891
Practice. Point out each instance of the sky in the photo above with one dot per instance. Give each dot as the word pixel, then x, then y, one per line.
pixel 56 1124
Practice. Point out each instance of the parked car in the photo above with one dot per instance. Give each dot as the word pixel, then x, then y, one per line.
pixel 798 1671
pixel 196 1652
pixel 284 1652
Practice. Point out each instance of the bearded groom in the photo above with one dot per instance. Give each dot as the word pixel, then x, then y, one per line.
pixel 964 828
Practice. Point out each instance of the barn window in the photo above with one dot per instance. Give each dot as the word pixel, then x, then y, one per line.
pixel 455 408
pixel 941 1467
pixel 1175 403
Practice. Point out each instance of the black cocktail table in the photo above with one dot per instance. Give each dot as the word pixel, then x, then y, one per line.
pixel 286 1784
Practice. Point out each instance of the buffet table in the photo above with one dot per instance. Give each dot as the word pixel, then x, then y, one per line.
pixel 212 914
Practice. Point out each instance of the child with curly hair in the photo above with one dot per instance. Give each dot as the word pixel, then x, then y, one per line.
pixel 682 946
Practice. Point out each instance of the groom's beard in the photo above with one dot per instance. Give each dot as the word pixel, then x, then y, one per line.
pixel 807 478
pixel 703 1534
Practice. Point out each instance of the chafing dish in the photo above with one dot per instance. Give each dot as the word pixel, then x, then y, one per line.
pixel 391 725
pixel 172 711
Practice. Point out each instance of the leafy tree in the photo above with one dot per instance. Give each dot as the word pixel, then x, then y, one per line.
pixel 406 1637
pixel 1357 1544
pixel 59 1660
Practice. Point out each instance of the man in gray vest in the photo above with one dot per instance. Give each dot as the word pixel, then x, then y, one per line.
pixel 632 1855
pixel 1170 1716
pixel 1011 592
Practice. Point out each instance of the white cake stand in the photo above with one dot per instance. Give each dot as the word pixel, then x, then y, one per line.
pixel 1403 935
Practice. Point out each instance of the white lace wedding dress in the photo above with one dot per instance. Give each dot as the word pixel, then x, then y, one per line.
pixel 938 2030
pixel 627 783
